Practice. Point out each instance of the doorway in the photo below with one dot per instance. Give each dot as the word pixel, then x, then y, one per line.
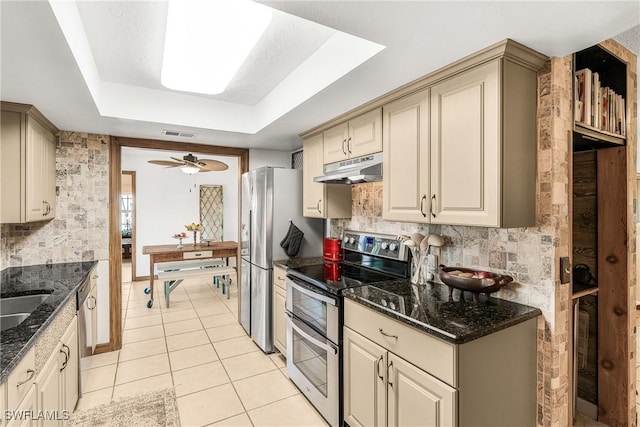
pixel 127 225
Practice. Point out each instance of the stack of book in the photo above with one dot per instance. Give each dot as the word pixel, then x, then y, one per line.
pixel 597 106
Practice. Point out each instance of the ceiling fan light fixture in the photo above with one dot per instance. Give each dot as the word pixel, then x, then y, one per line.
pixel 207 41
pixel 189 170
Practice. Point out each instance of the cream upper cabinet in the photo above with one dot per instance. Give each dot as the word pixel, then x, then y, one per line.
pixel 463 151
pixel 466 148
pixel 406 158
pixel 321 200
pixel 484 173
pixel 359 136
pixel 28 160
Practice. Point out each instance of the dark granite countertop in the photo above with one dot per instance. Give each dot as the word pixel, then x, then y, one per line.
pixel 429 308
pixel 297 262
pixel 60 280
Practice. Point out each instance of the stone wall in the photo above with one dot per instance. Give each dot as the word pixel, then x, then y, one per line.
pixel 529 254
pixel 80 230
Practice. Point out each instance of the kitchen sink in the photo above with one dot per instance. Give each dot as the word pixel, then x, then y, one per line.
pixel 22 304
pixel 8 321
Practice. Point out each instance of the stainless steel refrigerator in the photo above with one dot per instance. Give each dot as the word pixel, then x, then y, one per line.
pixel 271 199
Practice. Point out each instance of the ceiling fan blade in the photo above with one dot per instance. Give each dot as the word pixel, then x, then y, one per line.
pixel 177 159
pixel 210 165
pixel 167 163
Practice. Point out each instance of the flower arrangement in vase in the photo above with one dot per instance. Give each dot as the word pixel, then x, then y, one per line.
pixel 195 228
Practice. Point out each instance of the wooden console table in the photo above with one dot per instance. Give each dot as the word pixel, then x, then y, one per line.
pixel 189 252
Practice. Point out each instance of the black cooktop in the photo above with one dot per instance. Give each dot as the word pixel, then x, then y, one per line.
pixel 335 277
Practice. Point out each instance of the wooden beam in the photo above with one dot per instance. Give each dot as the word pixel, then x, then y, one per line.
pixel 613 303
pixel 115 248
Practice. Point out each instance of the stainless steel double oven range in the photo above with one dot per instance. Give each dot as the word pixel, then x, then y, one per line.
pixel 315 313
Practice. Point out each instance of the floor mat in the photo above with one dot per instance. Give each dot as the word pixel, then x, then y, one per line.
pixel 152 409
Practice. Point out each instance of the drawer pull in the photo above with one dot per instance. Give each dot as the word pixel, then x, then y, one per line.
pixel 378 367
pixel 31 373
pixel 387 335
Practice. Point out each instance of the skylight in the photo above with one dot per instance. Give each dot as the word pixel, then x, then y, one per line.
pixel 207 41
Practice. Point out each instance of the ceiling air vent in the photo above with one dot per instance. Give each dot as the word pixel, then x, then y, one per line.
pixel 178 133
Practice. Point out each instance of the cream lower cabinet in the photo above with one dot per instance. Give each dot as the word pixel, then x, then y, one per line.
pixel 279 309
pixel 28 163
pixel 462 151
pixel 321 200
pixel 396 375
pixel 382 389
pixel 51 392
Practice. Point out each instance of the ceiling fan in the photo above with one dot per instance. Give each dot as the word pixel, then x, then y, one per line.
pixel 190 164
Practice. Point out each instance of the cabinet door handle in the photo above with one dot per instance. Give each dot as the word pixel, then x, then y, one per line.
pixel 92 298
pixel 390 374
pixel 387 335
pixel 318 205
pixel 424 197
pixel 433 201
pixel 67 355
pixel 344 141
pixel 31 373
pixel 349 145
pixel 378 367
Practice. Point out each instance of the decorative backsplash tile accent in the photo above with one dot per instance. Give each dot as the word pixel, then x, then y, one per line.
pixel 80 230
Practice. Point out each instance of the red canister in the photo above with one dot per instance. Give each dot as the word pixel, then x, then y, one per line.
pixel 332 249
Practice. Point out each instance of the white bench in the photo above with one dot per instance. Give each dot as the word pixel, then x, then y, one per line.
pixel 173 273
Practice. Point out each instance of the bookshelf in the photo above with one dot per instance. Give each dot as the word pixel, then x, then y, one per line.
pixel 600 99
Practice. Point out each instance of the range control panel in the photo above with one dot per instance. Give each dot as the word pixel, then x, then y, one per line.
pixel 375 244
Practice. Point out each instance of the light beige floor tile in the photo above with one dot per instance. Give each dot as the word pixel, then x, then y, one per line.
pixel 94 398
pixel 175 297
pixel 98 360
pixel 241 420
pixel 186 340
pixel 284 372
pixel 279 360
pixel 98 378
pixel 143 321
pixel 201 292
pixel 192 356
pixel 212 303
pixel 145 385
pixel 176 306
pixel 199 378
pixel 226 332
pixel 292 411
pixel 137 350
pixel 235 346
pixel 138 312
pixel 219 320
pixel 142 368
pixel 252 390
pixel 208 406
pixel 212 310
pixel 247 365
pixel 182 327
pixel 176 316
pixel 142 334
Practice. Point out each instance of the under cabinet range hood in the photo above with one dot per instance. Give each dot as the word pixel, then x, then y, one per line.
pixel 353 171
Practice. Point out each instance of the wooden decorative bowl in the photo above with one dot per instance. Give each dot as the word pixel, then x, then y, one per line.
pixel 492 283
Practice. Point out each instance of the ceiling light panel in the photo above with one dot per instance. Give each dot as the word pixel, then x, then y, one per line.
pixel 207 41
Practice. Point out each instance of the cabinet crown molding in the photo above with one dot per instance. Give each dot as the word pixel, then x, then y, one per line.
pixel 32 111
pixel 507 49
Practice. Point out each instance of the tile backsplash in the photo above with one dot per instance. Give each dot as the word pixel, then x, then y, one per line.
pixel 526 254
pixel 80 230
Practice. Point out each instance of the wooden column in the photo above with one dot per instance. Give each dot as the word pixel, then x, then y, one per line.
pixel 613 296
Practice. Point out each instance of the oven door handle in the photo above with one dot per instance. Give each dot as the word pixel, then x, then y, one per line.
pixel 306 336
pixel 312 294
